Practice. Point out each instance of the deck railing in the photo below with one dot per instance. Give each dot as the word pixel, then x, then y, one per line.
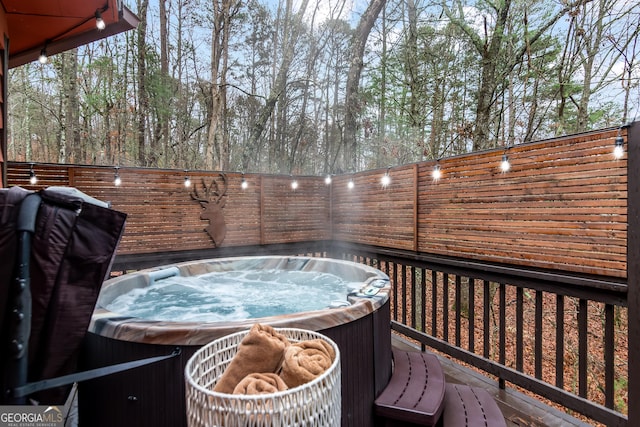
pixel 561 336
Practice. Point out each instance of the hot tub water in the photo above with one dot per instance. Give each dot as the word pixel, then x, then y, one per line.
pixel 233 295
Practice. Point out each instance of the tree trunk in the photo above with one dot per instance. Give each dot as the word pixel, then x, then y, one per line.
pixel 72 120
pixel 217 150
pixel 143 101
pixel 593 40
pixel 412 66
pixel 382 103
pixel 352 101
pixel 488 81
pixel 162 133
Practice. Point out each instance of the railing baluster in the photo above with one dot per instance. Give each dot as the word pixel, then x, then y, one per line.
pixel 609 354
pixel 472 314
pixel 538 336
pixel 414 306
pixel 445 307
pixel 423 283
pixel 434 303
pixel 582 348
pixel 519 328
pixel 560 341
pixel 486 315
pixel 458 308
pixel 503 330
pixel 396 301
pixel 403 270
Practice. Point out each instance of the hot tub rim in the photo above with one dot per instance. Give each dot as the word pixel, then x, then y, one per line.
pixel 126 328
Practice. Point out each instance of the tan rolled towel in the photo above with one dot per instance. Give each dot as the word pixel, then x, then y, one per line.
pixel 260 383
pixel 305 361
pixel 261 350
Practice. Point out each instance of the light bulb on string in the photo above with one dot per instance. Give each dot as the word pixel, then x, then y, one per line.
pixel 43 56
pixel 244 184
pixel 350 184
pixel 505 165
pixel 327 180
pixel 437 172
pixel 294 184
pixel 618 149
pixel 386 179
pixel 33 179
pixel 187 180
pixel 116 178
pixel 100 25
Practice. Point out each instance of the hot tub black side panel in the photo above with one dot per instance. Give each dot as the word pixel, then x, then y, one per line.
pixel 365 350
pixel 151 395
pixel 382 347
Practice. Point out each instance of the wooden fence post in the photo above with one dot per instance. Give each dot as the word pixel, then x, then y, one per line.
pixel 633 270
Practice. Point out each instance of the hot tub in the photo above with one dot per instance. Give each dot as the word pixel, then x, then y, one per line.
pixel 357 320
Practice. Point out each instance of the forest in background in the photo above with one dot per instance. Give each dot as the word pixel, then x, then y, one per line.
pixel 322 87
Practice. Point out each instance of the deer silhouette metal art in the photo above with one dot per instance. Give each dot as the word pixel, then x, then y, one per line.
pixel 213 200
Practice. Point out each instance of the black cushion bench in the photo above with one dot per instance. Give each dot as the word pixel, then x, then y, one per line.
pixel 415 393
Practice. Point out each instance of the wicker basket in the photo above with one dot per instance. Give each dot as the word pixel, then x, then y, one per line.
pixel 316 403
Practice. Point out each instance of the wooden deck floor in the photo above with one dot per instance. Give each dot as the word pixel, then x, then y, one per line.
pixel 518 409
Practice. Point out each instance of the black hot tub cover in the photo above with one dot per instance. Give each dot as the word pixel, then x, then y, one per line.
pixel 72 250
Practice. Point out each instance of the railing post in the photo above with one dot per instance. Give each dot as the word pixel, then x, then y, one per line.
pixel 633 270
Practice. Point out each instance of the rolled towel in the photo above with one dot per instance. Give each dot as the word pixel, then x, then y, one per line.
pixel 261 350
pixel 305 361
pixel 260 383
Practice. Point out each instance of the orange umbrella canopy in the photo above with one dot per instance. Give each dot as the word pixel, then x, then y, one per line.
pixel 59 25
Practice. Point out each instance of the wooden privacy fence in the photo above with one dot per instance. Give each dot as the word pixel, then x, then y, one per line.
pixel 561 206
pixel 163 216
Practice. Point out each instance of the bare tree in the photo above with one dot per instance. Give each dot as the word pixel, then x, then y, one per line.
pixel 217 148
pixel 353 104
pixel 629 52
pixel 494 64
pixel 162 125
pixel 283 94
pixel 143 100
pixel 599 52
pixel 69 77
pixel 291 34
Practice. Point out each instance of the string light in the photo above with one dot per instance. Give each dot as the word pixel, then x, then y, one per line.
pixel 116 178
pixel 100 25
pixel 437 172
pixel 294 184
pixel 244 184
pixel 33 179
pixel 43 56
pixel 386 179
pixel 618 149
pixel 504 164
pixel 187 180
pixel 327 180
pixel 350 184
